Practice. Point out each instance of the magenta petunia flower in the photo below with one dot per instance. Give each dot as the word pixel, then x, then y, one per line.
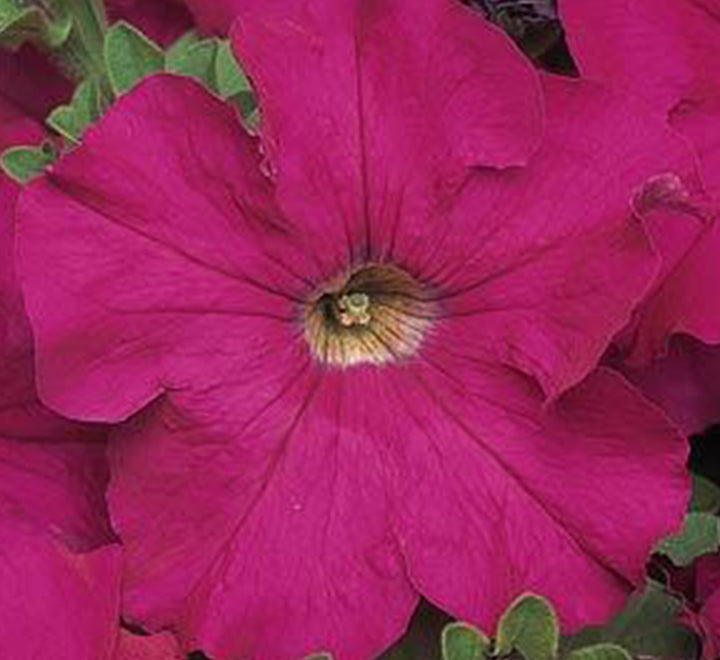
pixel 679 321
pixel 54 470
pixel 215 15
pixel 685 383
pixel 59 604
pixel 660 51
pixel 31 84
pixel 60 580
pixel 698 588
pixel 161 20
pixel 54 603
pixel 357 368
pixel 657 49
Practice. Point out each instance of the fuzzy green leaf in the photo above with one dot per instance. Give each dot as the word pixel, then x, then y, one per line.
pixel 85 108
pixel 529 626
pixel 461 641
pixel 90 24
pixel 705 495
pixel 247 106
pixel 25 163
pixel 18 25
pixel 230 79
pixel 62 119
pixel 130 56
pixel 600 652
pixel 700 535
pixel 196 61
pixel 181 45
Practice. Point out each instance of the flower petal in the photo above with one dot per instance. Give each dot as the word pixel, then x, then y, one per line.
pixel 31 83
pixel 502 495
pixel 685 383
pixel 162 646
pixel 402 96
pixel 161 20
pixel 658 49
pixel 683 299
pixel 56 604
pixel 57 487
pixel 255 519
pixel 214 15
pixel 544 264
pixel 149 245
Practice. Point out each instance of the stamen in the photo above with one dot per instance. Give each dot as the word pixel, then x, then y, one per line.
pixel 354 309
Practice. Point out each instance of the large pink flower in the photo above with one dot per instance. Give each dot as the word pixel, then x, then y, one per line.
pixel 685 382
pixel 217 15
pixel 336 362
pixel 31 84
pixel 161 20
pixel 55 603
pixel 698 588
pixel 60 579
pixel 59 604
pixel 659 50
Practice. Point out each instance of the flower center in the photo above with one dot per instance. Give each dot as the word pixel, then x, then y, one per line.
pixel 376 314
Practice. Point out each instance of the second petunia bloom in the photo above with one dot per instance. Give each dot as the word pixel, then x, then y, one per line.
pixel 359 367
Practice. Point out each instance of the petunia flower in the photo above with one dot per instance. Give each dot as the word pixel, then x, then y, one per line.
pixel 359 367
pixel 216 16
pixel 161 20
pixel 659 50
pixel 60 577
pixel 684 382
pixel 59 568
pixel 55 603
pixel 697 586
pixel 60 604
pixel 656 49
pixel 30 84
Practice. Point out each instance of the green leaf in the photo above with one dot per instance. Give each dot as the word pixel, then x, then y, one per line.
pixel 461 641
pixel 87 102
pixel 25 163
pixel 89 27
pixel 318 656
pixel 529 626
pixel 181 45
pixel 130 56
pixel 252 121
pixel 18 25
pixel 600 652
pixel 230 80
pixel 196 61
pixel 62 119
pixel 705 495
pixel 647 626
pixel 85 108
pixel 247 106
pixel 700 535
